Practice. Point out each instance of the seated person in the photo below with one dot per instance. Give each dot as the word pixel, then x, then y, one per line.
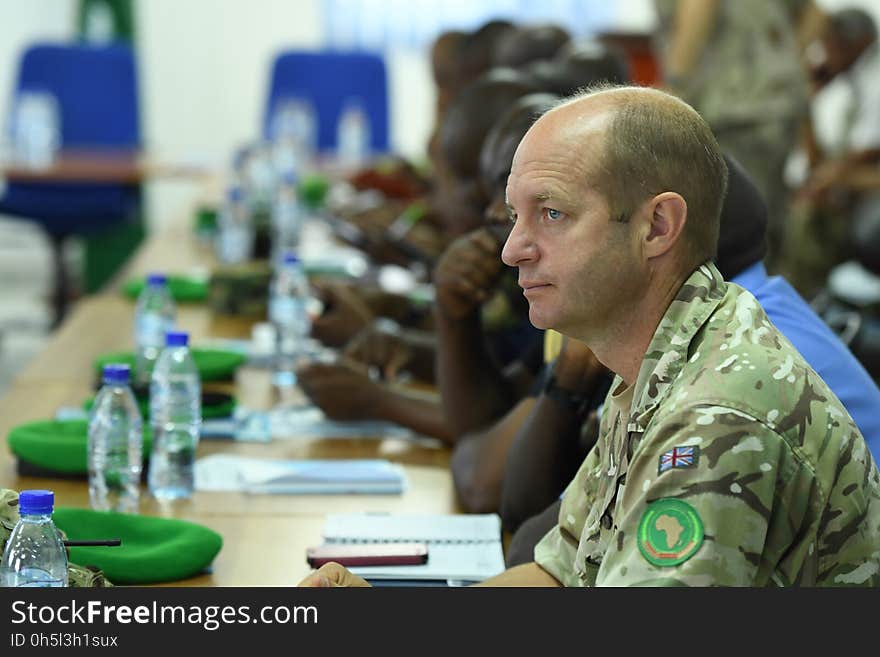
pixel 722 457
pixel 741 249
pixel 403 229
pixel 478 462
pixel 475 303
pixel 457 204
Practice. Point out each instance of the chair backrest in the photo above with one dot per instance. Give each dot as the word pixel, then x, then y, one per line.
pixel 96 90
pixel 329 80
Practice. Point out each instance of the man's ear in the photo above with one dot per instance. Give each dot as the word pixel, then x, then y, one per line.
pixel 667 217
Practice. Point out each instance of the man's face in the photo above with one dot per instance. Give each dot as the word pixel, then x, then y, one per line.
pixel 576 266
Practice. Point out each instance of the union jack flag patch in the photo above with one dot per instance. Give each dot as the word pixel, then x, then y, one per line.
pixel 678 457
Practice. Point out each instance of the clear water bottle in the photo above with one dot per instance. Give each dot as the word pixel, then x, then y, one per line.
pixel 292 130
pixel 289 293
pixel 36 128
pixel 235 234
pixel 287 218
pixel 34 554
pixel 176 418
pixel 353 135
pixel 115 444
pixel 154 317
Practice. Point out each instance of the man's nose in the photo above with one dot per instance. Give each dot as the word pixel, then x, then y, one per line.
pixel 519 247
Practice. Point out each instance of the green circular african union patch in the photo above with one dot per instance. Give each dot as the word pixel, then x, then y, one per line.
pixel 670 532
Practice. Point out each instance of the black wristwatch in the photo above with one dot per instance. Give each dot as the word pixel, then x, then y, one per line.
pixel 569 399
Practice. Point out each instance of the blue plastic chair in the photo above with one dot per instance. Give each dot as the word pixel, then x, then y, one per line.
pixel 328 80
pixel 96 91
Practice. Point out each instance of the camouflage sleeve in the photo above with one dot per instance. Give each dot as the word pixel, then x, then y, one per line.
pixel 555 553
pixel 700 491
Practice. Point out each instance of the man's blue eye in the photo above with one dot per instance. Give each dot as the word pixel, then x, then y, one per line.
pixel 553 214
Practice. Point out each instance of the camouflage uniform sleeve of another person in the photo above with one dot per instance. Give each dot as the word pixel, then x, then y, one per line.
pixel 712 497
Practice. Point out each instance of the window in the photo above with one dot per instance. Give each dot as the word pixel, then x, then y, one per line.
pixel 391 24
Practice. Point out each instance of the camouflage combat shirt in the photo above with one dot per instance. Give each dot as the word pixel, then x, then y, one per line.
pixel 738 465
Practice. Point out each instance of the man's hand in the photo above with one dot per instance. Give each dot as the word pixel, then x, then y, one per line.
pixel 382 345
pixel 345 313
pixel 332 575
pixel 467 273
pixel 341 390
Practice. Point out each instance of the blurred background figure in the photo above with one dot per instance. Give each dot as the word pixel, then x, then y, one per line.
pixel 841 180
pixel 739 65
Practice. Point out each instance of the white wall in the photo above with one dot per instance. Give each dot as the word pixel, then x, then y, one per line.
pixel 204 67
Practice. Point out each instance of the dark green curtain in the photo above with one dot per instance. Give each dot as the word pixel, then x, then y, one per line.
pixel 105 253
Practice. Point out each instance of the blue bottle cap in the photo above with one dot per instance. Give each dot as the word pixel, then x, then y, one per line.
pixel 176 339
pixel 31 502
pixel 290 258
pixel 234 194
pixel 154 279
pixel 118 373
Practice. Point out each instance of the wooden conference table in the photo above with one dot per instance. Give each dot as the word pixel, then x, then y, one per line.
pixel 100 165
pixel 264 536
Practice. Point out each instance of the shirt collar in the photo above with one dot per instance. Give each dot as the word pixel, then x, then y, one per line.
pixel 667 353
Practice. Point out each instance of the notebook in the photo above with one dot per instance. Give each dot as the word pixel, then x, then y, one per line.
pixel 318 477
pixel 462 549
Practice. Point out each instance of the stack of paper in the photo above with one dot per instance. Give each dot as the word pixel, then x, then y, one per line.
pixel 320 477
pixel 461 548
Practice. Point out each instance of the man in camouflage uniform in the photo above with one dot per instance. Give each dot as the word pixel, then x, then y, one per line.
pixel 738 466
pixel 722 458
pixel 77 576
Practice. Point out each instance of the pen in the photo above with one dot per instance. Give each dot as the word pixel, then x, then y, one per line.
pixel 110 542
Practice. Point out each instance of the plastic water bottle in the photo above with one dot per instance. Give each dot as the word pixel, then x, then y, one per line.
pixel 235 236
pixel 287 218
pixel 176 418
pixel 115 444
pixel 289 293
pixel 353 135
pixel 292 130
pixel 35 554
pixel 154 317
pixel 36 128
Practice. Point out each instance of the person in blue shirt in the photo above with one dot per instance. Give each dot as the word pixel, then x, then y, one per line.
pixel 741 250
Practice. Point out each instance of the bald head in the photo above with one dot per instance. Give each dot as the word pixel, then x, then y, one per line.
pixel 636 143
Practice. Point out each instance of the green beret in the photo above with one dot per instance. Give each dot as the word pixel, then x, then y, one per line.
pixel 58 446
pixel 153 549
pixel 182 288
pixel 214 405
pixel 213 364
